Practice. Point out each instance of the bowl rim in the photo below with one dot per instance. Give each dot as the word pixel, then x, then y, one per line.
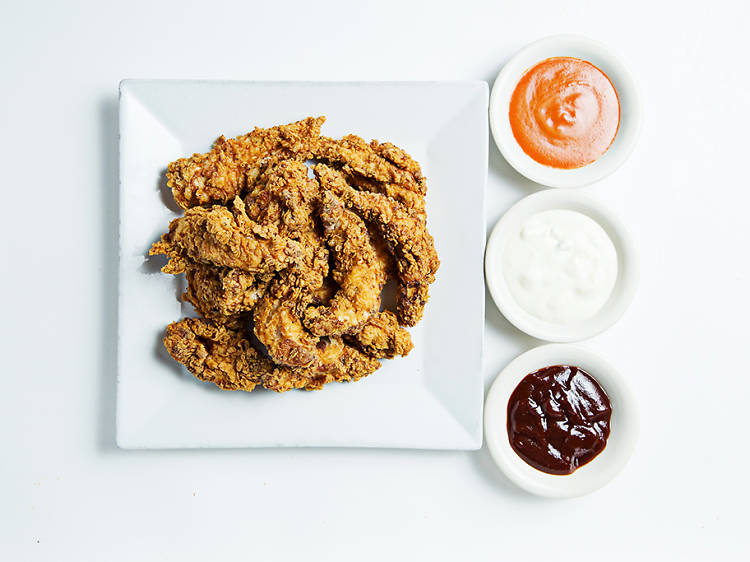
pixel 628 269
pixel 624 426
pixel 579 46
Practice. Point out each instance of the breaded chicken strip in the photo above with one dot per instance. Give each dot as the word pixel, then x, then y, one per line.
pixel 221 294
pixel 399 157
pixel 277 315
pixel 358 271
pixel 406 236
pixel 411 301
pixel 225 357
pixel 300 261
pixel 308 360
pixel 411 200
pixel 224 238
pixel 337 362
pixel 383 166
pixel 216 354
pixel 231 166
pixel 282 202
pixel 381 336
pixel 279 328
pixel 284 197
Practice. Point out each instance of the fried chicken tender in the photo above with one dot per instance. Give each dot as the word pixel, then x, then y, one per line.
pixel 224 238
pixel 284 197
pixel 216 354
pixel 226 358
pixel 407 238
pixel 383 166
pixel 298 262
pixel 411 200
pixel 358 271
pixel 337 362
pixel 306 359
pixel 278 325
pixel 282 203
pixel 277 316
pixel 222 294
pixel 381 336
pixel 400 158
pixel 231 166
pixel 411 301
pixel 382 253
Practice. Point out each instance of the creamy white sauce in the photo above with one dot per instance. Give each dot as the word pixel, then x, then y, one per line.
pixel 561 266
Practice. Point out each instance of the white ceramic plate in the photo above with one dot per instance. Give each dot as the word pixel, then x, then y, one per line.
pixel 431 399
pixel 624 424
pixel 566 46
pixel 627 266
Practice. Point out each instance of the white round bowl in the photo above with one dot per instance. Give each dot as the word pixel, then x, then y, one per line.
pixel 566 46
pixel 624 423
pixel 627 266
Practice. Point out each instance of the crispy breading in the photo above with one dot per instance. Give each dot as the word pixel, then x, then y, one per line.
pixel 224 238
pixel 278 325
pixel 296 261
pixel 411 200
pixel 400 158
pixel 411 301
pixel 216 354
pixel 284 197
pixel 407 238
pixel 221 294
pixel 226 358
pixel 360 157
pixel 337 362
pixel 313 361
pixel 381 336
pixel 358 272
pixel 382 253
pixel 231 166
pixel 282 203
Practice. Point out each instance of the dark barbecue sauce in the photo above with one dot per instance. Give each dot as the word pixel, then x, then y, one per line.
pixel 558 419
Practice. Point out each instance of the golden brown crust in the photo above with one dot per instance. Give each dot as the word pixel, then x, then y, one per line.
pixel 304 357
pixel 411 200
pixel 224 238
pixel 410 302
pixel 284 198
pixel 337 362
pixel 358 271
pixel 407 237
pixel 221 294
pixel 400 158
pixel 279 328
pixel 231 166
pixel 280 247
pixel 216 354
pixel 225 357
pixel 360 157
pixel 381 336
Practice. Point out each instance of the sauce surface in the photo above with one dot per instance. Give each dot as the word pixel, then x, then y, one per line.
pixel 564 112
pixel 560 266
pixel 558 419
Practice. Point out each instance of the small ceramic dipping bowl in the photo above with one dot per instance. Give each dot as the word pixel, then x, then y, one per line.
pixel 627 266
pixel 624 423
pixel 566 46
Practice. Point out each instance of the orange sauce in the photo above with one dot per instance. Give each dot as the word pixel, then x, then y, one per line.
pixel 564 112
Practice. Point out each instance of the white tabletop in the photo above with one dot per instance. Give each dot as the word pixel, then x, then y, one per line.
pixel 66 491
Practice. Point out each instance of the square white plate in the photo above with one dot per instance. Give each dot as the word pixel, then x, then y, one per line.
pixel 431 399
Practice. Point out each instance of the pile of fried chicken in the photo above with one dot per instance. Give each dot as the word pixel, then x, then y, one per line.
pixel 286 270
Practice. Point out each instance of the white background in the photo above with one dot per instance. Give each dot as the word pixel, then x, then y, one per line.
pixel 66 492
